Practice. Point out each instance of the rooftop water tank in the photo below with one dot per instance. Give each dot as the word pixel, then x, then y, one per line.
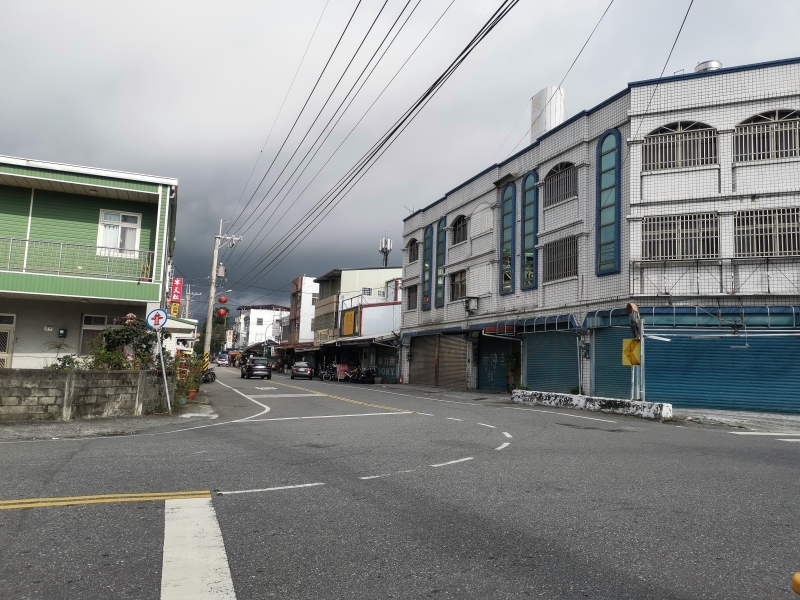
pixel 709 65
pixel 547 111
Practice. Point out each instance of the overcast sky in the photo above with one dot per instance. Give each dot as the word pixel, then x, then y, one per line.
pixel 192 89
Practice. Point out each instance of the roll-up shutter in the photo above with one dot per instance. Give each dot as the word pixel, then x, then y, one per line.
pixel 552 361
pixel 422 368
pixel 611 378
pixel 453 361
pixel 706 372
pixel 491 375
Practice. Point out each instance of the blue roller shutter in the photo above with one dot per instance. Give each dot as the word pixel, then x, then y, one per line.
pixel 708 373
pixel 491 375
pixel 552 361
pixel 611 379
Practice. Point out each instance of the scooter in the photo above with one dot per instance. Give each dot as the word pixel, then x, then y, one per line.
pixel 209 376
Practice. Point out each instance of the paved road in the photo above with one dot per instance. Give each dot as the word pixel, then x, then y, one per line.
pixel 390 492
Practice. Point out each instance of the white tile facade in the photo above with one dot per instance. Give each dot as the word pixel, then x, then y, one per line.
pixel 720 99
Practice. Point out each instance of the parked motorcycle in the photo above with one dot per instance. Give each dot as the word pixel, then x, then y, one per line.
pixel 209 376
pixel 366 376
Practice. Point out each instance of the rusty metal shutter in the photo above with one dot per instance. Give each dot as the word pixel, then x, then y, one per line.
pixel 422 368
pixel 453 351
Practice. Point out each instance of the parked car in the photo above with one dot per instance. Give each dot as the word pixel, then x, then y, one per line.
pixel 256 367
pixel 302 369
pixel 222 360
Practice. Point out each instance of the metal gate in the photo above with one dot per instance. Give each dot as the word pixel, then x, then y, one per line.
pixel 552 361
pixel 611 378
pixel 6 340
pixel 452 361
pixel 422 368
pixel 712 371
pixel 491 375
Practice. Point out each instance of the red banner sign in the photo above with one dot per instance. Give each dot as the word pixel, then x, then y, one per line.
pixel 176 290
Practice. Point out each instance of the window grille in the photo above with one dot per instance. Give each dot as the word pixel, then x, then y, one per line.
pixel 458 285
pixel 679 237
pixel 6 319
pixel 679 145
pixel 772 232
pixel 413 251
pixel 771 135
pixel 259 322
pixel 427 258
pixel 314 298
pixel 561 259
pixel 411 297
pixel 365 291
pixel 459 230
pixel 381 293
pixel 560 184
pixel 529 231
pixel 441 258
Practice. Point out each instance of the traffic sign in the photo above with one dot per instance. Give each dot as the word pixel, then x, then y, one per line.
pixel 157 318
pixel 631 352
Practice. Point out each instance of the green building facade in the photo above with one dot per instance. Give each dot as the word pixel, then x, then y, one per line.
pixel 79 248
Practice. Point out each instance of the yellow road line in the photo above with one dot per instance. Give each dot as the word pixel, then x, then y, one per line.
pixel 100 499
pixel 347 399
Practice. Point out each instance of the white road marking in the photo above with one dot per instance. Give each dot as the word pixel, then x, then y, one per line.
pixel 269 388
pixel 419 397
pixel 789 440
pixel 375 476
pixel 485 425
pixel 328 417
pixel 286 395
pixel 505 433
pixel 550 412
pixel 194 564
pixel 211 416
pixel 760 433
pixel 426 414
pixel 452 462
pixel 264 406
pixel 272 489
pixel 503 445
pixel 453 419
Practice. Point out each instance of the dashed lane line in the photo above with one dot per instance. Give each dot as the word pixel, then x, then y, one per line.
pixel 271 489
pixel 100 499
pixel 485 425
pixel 762 433
pixel 503 445
pixel 329 417
pixel 788 440
pixel 505 433
pixel 452 462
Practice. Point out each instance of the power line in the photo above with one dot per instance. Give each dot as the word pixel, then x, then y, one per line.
pixel 308 99
pixel 565 76
pixel 331 199
pixel 263 236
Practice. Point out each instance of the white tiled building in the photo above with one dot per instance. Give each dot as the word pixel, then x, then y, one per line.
pixel 681 195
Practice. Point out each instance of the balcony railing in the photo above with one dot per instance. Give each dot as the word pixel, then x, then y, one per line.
pixel 717 276
pixel 36 256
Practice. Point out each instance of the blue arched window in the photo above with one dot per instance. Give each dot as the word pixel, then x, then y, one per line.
pixel 507 238
pixel 608 203
pixel 427 255
pixel 441 257
pixel 530 230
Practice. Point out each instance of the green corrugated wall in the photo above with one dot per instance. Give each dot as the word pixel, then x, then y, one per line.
pixel 75 219
pixel 142 186
pixel 14 206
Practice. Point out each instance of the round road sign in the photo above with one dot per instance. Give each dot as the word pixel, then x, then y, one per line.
pixel 157 318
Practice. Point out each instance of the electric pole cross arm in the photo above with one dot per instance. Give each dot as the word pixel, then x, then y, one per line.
pixel 219 241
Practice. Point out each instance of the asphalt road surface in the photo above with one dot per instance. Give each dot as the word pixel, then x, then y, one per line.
pixel 305 489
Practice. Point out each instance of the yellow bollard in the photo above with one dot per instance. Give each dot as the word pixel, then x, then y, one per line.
pixel 796 583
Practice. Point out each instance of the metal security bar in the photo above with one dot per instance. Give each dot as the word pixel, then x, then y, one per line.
pixel 678 237
pixel 771 232
pixel 561 259
pixel 36 256
pixel 560 184
pixel 771 135
pixel 679 149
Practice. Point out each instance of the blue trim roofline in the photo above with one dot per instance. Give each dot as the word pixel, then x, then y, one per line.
pixel 617 96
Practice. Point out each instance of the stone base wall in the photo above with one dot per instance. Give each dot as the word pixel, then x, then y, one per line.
pixel 645 410
pixel 64 395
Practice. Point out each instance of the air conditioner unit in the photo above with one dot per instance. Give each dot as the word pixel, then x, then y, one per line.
pixel 470 304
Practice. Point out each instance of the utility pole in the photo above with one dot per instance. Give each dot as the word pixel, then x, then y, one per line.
pixel 219 241
pixel 187 313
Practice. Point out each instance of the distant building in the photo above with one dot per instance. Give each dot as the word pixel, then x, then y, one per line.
pixel 258 323
pixel 680 194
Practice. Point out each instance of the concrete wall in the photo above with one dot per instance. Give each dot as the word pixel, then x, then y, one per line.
pixel 50 395
pixel 32 316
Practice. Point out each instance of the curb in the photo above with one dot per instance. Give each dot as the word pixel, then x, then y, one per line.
pixel 644 410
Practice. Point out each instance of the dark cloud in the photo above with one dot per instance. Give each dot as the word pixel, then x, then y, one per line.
pixel 190 90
